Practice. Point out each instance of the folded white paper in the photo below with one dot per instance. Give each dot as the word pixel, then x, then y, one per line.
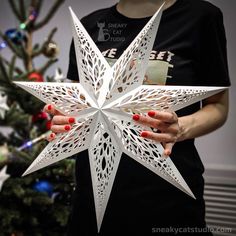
pixel 103 103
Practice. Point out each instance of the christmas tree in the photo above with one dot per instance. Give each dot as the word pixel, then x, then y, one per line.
pixel 39 203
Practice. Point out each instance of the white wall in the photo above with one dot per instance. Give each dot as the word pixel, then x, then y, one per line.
pixel 217 149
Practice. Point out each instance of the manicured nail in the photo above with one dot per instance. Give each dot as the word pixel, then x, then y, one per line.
pixel 144 134
pixel 136 117
pixel 49 107
pixel 151 113
pixel 67 127
pixel 52 135
pixel 72 120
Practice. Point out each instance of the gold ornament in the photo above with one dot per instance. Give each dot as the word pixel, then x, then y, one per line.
pixel 50 49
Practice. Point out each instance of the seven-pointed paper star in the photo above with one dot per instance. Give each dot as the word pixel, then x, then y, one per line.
pixel 3 176
pixel 103 103
pixel 3 105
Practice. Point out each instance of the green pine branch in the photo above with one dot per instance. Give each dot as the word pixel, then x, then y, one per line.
pixel 23 210
pixel 22 10
pixel 15 10
pixel 11 45
pixel 38 51
pixel 49 15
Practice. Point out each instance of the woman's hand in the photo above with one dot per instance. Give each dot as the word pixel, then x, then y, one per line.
pixel 167 126
pixel 60 123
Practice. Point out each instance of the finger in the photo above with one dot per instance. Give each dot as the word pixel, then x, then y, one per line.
pixel 51 137
pixel 60 128
pixel 168 149
pixel 158 137
pixel 148 121
pixel 162 126
pixel 49 108
pixel 62 120
pixel 165 116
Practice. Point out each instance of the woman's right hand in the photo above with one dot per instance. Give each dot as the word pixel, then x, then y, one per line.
pixel 60 122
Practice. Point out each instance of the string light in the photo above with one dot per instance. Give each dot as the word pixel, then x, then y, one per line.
pixel 29 144
pixel 33 15
pixel 3 45
pixel 22 26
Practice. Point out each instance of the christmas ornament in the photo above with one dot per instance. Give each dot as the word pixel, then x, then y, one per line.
pixel 15 36
pixel 36 77
pixel 59 77
pixel 40 116
pixel 48 125
pixel 103 104
pixel 43 187
pixel 50 49
pixel 3 176
pixel 3 105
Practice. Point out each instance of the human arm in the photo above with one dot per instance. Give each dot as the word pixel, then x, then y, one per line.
pixel 211 117
pixel 174 129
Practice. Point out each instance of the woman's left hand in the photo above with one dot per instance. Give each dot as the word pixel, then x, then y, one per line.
pixel 167 123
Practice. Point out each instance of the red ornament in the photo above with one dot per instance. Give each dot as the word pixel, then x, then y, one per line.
pixel 48 125
pixel 40 116
pixel 36 77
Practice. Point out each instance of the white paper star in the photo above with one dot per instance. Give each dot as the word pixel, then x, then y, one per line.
pixel 103 103
pixel 58 77
pixel 3 176
pixel 3 105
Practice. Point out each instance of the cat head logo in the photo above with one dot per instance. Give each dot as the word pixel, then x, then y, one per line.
pixel 103 34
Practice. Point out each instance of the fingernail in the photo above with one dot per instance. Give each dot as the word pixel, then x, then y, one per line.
pixel 71 120
pixel 52 135
pixel 151 113
pixel 67 127
pixel 136 117
pixel 49 107
pixel 144 134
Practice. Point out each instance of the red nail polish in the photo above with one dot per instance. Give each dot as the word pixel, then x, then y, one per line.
pixel 144 134
pixel 52 135
pixel 67 127
pixel 136 117
pixel 151 113
pixel 71 120
pixel 49 107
